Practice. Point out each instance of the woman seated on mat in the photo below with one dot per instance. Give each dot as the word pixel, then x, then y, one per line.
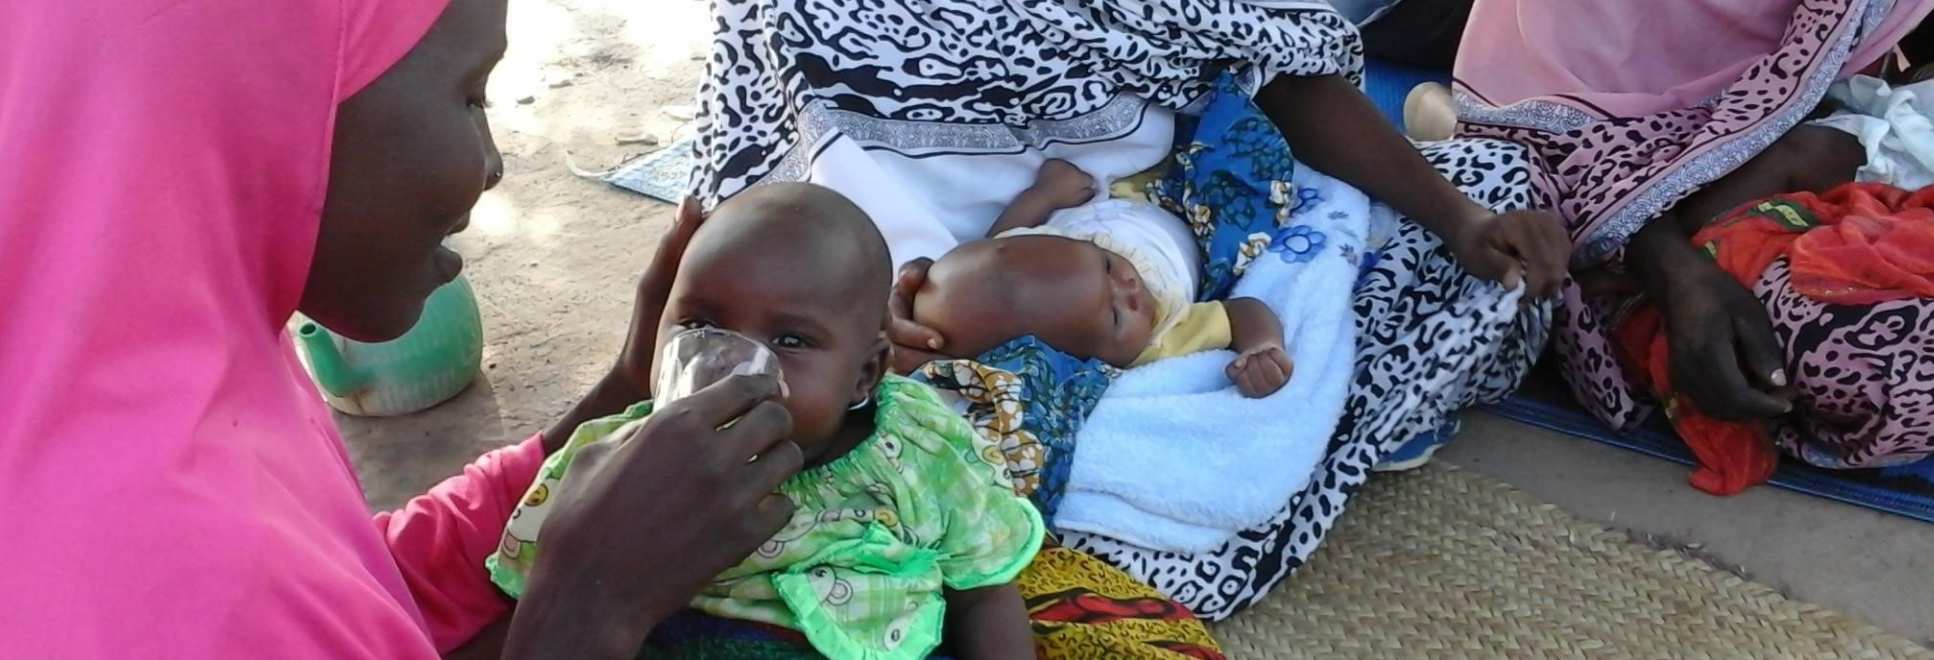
pixel 1648 165
pixel 933 127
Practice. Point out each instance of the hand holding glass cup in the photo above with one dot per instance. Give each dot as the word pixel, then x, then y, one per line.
pixel 694 359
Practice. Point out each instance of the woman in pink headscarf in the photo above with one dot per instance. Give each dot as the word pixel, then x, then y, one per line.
pixel 1652 120
pixel 181 178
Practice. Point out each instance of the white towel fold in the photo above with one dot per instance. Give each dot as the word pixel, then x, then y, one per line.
pixel 1895 125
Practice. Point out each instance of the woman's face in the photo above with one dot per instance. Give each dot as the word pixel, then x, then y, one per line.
pixel 412 154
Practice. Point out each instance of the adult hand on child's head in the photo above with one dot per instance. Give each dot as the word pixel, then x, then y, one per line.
pixel 649 517
pixel 913 344
pixel 634 364
pixel 1528 246
pixel 1259 372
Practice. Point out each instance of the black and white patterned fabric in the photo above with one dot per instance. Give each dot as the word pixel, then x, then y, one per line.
pixel 1000 78
pixel 939 69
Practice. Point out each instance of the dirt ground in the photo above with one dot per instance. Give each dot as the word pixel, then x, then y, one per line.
pixel 554 257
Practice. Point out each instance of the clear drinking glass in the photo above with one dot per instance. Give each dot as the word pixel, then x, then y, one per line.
pixel 694 359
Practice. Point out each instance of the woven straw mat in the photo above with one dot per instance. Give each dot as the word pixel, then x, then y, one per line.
pixel 1444 563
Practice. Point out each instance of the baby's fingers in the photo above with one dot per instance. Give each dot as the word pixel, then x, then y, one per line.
pixel 1283 364
pixel 1269 376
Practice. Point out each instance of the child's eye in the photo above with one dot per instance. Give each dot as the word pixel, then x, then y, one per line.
pixel 789 341
pixel 1116 311
pixel 694 324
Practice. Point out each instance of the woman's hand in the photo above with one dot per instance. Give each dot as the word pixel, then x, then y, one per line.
pixel 641 342
pixel 1520 246
pixel 1332 127
pixel 913 344
pixel 647 519
pixel 1723 352
pixel 629 380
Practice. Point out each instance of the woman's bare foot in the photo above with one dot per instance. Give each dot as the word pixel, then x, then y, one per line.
pixel 1428 114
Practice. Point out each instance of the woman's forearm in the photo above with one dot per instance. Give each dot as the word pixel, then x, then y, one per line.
pixel 609 397
pixel 1660 256
pixel 538 630
pixel 1331 126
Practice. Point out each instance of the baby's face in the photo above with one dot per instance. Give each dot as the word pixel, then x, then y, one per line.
pixel 831 353
pixel 1071 294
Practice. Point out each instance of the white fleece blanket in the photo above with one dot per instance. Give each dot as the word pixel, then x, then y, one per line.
pixel 1175 459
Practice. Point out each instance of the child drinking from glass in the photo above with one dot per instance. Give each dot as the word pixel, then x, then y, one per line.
pixel 905 524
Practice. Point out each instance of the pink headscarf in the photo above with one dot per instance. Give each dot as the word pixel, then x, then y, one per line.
pixel 171 482
pixel 1625 58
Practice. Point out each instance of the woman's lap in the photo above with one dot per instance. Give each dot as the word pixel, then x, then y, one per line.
pixel 1864 375
pixel 1414 315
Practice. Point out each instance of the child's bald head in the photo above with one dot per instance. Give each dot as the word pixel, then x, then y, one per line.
pixel 844 251
pixel 803 270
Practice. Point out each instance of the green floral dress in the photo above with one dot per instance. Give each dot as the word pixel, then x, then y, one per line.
pixel 922 505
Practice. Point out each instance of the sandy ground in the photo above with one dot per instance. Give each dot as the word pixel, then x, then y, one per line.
pixel 554 257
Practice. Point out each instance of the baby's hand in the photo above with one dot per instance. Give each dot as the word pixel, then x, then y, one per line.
pixel 1063 184
pixel 1260 371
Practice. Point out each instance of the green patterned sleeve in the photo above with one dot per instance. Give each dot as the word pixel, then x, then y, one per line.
pixel 517 552
pixel 992 533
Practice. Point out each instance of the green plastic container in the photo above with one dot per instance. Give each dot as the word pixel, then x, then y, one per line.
pixel 428 365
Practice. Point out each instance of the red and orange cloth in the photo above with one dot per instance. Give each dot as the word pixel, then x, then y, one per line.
pixel 1859 244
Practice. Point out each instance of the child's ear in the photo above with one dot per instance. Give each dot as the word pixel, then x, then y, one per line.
pixel 878 360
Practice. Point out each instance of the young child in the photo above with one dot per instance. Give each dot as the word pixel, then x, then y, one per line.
pixel 905 525
pixel 1112 280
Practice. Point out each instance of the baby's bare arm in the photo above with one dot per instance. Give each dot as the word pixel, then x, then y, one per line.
pixel 1261 366
pixel 1058 185
pixel 1252 325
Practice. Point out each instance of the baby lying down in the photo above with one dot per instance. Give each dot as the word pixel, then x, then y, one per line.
pixel 1112 280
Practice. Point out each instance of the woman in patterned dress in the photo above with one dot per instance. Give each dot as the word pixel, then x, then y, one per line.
pixel 1640 142
pixel 933 115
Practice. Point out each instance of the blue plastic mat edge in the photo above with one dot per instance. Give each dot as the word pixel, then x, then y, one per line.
pixel 1658 443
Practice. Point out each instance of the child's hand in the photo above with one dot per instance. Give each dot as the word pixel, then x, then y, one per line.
pixel 1063 184
pixel 1260 371
pixel 1529 246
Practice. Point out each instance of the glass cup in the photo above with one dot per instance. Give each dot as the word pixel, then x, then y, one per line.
pixel 696 358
